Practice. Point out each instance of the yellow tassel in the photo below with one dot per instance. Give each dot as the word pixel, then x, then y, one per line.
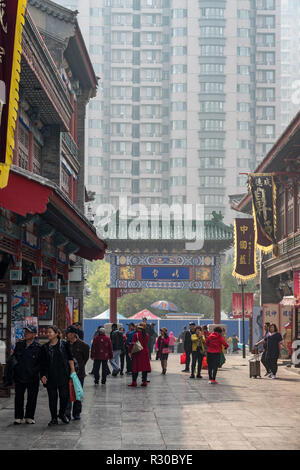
pixel 14 94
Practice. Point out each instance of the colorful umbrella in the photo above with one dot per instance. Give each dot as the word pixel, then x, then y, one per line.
pixel 164 305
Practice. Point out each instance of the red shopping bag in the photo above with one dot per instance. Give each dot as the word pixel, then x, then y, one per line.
pixel 72 391
pixel 204 363
pixel 183 358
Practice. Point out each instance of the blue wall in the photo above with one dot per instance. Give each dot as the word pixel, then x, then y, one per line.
pixel 90 326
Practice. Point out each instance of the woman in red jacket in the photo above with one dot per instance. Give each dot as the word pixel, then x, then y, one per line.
pixel 214 343
pixel 140 360
pixel 101 352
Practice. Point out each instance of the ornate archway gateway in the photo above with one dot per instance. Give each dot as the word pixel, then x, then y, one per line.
pixel 167 264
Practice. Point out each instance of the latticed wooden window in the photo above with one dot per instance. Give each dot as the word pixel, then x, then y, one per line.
pixel 290 212
pixel 65 181
pixel 280 216
pixel 23 148
pixel 37 158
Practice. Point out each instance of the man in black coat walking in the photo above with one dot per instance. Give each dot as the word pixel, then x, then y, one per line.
pixel 188 346
pixel 27 375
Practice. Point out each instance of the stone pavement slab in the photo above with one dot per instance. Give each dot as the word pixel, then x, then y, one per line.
pixel 174 413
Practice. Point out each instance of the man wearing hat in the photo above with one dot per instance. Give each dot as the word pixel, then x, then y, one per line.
pixel 27 375
pixel 81 352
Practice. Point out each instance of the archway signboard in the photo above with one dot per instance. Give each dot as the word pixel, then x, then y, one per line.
pixel 167 264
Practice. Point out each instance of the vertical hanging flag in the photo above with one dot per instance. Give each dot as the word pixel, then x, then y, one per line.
pixel 12 18
pixel 296 276
pixel 237 304
pixel 263 191
pixel 245 249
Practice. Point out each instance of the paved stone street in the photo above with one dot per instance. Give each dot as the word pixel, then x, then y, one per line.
pixel 174 412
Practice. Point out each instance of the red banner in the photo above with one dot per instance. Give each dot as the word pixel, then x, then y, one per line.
pixel 245 249
pixel 11 24
pixel 296 275
pixel 237 304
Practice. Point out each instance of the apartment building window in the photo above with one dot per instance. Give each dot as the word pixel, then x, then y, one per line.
pixel 212 12
pixel 179 13
pixel 179 143
pixel 266 94
pixel 178 69
pixel 211 32
pixel 135 149
pixel 243 69
pixel 267 131
pixel 243 32
pixel 179 50
pixel 96 12
pixel 241 181
pixel 178 125
pixel 136 94
pixel 266 5
pixel 135 168
pixel 94 142
pixel 96 30
pixel 179 88
pixel 244 51
pixel 179 32
pixel 95 124
pixel 95 161
pixel 178 181
pixel 121 20
pixel 267 40
pixel 120 147
pixel 150 147
pixel 266 58
pixel 211 181
pixel 267 113
pixel 244 163
pixel 178 163
pixel 244 144
pixel 211 106
pixel 135 131
pixel 243 125
pixel 211 69
pixel 212 199
pixel 211 162
pixel 96 105
pixel 266 76
pixel 243 88
pixel 211 87
pixel 211 51
pixel 96 49
pixel 243 14
pixel 264 21
pixel 244 107
pixel 211 144
pixel 211 125
pixel 179 106
pixel 95 179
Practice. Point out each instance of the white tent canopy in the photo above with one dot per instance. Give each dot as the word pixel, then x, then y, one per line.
pixel 106 316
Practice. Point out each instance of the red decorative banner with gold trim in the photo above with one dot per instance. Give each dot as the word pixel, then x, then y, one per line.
pixel 237 304
pixel 245 249
pixel 12 18
pixel 296 276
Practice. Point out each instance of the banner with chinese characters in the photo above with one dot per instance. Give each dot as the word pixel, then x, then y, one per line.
pixel 263 191
pixel 12 13
pixel 237 304
pixel 245 250
pixel 296 276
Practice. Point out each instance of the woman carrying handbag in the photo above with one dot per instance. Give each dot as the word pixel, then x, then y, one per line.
pixel 138 350
pixel 163 349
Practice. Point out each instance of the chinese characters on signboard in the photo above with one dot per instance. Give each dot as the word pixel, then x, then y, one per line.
pixel 245 254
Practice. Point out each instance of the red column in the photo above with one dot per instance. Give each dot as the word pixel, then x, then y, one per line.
pixel 113 304
pixel 217 306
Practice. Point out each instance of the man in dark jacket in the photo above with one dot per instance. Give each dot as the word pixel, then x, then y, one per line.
pixel 118 346
pixel 81 353
pixel 188 346
pixel 27 375
pixel 79 330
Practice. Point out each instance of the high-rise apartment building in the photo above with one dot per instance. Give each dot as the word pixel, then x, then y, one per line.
pixel 189 97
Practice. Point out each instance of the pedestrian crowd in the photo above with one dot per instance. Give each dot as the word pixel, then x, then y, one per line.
pixel 66 354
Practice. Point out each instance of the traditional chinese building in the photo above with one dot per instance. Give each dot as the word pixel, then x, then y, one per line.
pixel 278 274
pixel 44 235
